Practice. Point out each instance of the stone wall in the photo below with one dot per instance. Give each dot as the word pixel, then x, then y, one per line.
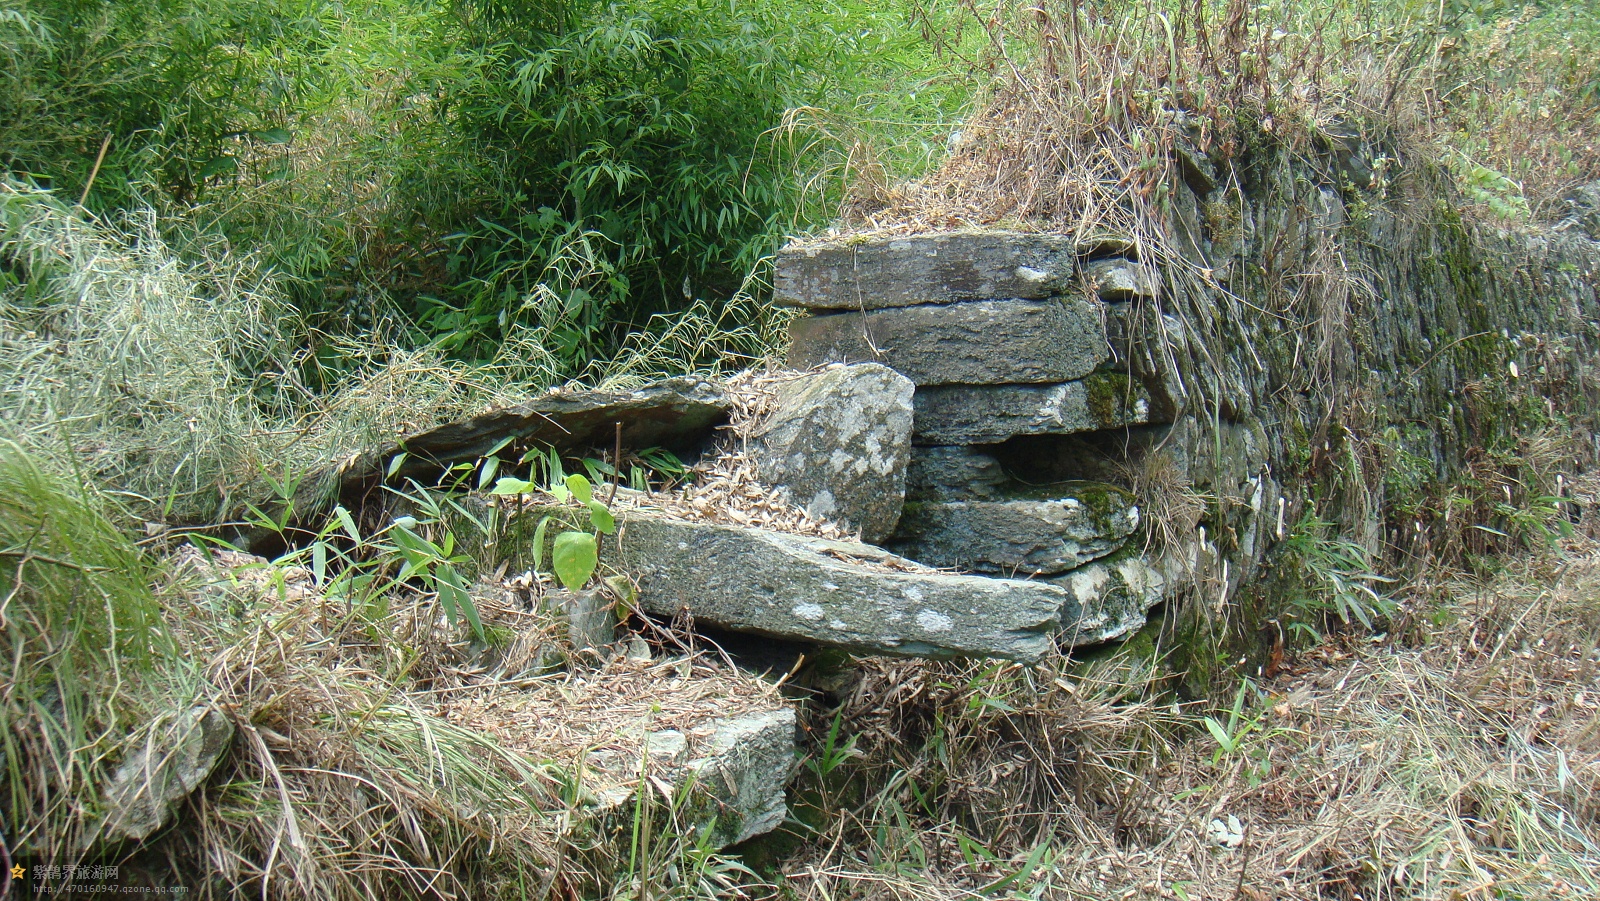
pixel 1285 349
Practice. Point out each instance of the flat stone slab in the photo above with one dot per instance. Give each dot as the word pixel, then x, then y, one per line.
pixel 1123 279
pixel 837 442
pixel 990 414
pixel 955 474
pixel 1062 528
pixel 1110 597
pixel 831 592
pixel 737 768
pixel 985 342
pixel 873 273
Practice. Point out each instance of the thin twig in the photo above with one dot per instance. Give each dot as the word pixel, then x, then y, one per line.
pixel 104 145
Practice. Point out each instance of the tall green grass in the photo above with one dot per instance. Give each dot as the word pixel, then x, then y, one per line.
pixel 81 633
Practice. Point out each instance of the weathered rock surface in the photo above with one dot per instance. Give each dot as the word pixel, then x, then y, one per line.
pixel 838 442
pixel 1109 597
pixel 873 273
pixel 831 592
pixel 157 775
pixel 738 767
pixel 954 474
pixel 1060 528
pixel 975 343
pixel 1123 279
pixel 990 414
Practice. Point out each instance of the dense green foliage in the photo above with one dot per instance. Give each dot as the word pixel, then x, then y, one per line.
pixel 480 168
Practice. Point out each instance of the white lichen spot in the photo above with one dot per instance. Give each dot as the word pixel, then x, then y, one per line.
pixel 822 505
pixel 809 612
pixel 1141 409
pixel 934 621
pixel 911 593
pixel 837 625
pixel 829 586
pixel 838 460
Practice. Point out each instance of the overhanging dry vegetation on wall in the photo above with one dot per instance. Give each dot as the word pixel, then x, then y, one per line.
pixel 1369 363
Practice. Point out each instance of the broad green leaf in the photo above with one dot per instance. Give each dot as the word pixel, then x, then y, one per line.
pixel 574 558
pixel 273 136
pixel 580 488
pixel 509 485
pixel 219 165
pixel 602 518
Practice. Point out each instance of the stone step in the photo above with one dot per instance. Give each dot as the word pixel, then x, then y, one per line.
pixel 976 343
pixel 877 272
pixel 990 414
pixel 810 589
pixel 1056 529
pixel 736 767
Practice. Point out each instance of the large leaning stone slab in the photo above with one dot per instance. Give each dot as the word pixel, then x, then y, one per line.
pixel 831 592
pixel 990 414
pixel 986 342
pixel 837 441
pixel 676 413
pixel 1110 597
pixel 955 474
pixel 876 272
pixel 1061 528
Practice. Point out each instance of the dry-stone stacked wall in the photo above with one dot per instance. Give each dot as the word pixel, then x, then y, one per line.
pixel 1002 342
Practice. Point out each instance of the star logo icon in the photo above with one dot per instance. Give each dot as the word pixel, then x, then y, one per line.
pixel 19 871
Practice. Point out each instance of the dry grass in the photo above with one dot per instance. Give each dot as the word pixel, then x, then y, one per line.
pixel 393 756
pixel 1466 767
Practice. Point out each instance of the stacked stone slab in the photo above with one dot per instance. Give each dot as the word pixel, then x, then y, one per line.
pixel 1004 335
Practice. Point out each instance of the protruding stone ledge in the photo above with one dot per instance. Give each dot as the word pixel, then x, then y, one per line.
pixel 1110 597
pixel 873 273
pixel 1123 279
pixel 976 343
pixel 990 414
pixel 830 592
pixel 1058 529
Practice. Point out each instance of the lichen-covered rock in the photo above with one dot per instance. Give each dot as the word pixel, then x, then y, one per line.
pixel 985 342
pixel 1123 279
pixel 744 765
pixel 954 474
pixel 1059 528
pixel 872 273
pixel 837 442
pixel 830 592
pixel 990 414
pixel 735 767
pixel 1109 597
pixel 159 773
